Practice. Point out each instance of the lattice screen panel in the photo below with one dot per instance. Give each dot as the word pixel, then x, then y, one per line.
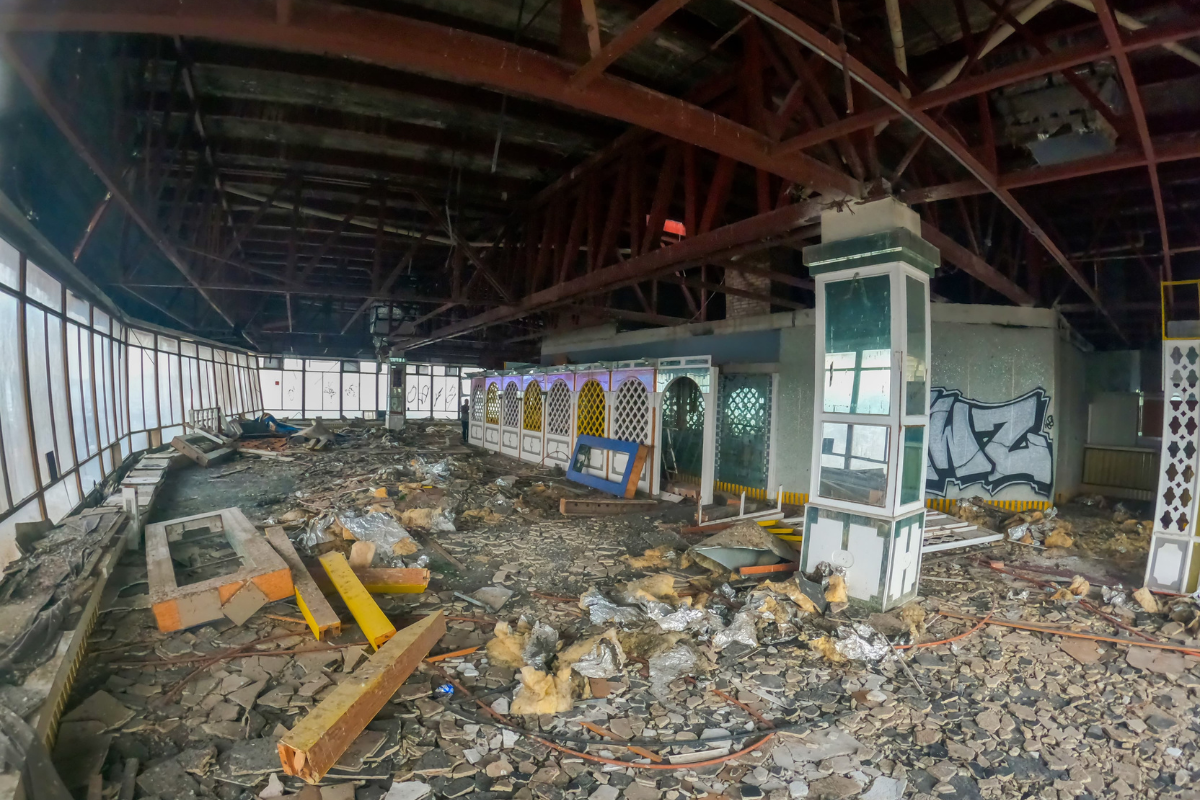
pixel 493 405
pixel 558 410
pixel 683 430
pixel 512 406
pixel 591 410
pixel 631 412
pixel 533 408
pixel 1177 482
pixel 477 404
pixel 683 406
pixel 744 430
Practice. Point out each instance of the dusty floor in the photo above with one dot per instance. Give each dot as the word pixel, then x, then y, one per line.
pixel 1000 712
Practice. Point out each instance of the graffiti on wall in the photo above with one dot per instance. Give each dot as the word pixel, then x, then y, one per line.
pixel 994 445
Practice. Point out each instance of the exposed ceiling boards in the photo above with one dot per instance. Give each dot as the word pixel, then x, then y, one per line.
pixel 288 156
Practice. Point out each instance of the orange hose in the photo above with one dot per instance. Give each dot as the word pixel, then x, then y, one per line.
pixel 744 707
pixel 464 652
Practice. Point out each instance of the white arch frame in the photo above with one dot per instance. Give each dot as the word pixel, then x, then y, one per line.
pixel 700 370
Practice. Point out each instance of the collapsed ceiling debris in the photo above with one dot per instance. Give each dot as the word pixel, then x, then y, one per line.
pixel 556 656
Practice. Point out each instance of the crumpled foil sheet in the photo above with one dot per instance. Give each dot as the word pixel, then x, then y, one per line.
pixel 861 642
pixel 605 659
pixel 602 610
pixel 740 630
pixel 670 664
pixel 540 646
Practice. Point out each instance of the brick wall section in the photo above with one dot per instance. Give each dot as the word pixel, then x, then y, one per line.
pixel 743 306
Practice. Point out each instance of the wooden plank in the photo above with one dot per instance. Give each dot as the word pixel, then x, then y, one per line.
pixel 382 580
pixel 635 471
pixel 367 613
pixel 317 612
pixel 596 508
pixel 311 748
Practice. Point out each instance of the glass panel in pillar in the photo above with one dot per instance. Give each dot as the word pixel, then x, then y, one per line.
pixel 911 460
pixel 916 388
pixel 854 465
pixel 858 341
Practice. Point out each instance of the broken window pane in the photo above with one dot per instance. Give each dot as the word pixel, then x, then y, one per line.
pixel 916 360
pixel 858 343
pixel 10 265
pixel 14 425
pixel 912 460
pixel 854 465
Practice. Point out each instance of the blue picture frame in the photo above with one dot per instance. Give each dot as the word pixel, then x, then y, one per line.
pixel 618 488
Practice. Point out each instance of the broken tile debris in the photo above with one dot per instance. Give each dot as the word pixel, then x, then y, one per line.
pixel 1000 713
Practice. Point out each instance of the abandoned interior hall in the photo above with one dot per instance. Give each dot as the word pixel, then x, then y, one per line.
pixel 599 399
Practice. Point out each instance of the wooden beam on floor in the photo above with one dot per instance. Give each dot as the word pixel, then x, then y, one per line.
pixel 367 613
pixel 319 615
pixel 311 748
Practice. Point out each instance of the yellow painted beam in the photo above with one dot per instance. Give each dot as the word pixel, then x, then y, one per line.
pixel 316 743
pixel 393 581
pixel 317 612
pixel 367 613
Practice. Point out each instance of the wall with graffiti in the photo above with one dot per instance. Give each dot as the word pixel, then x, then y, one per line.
pixel 992 445
pixel 994 428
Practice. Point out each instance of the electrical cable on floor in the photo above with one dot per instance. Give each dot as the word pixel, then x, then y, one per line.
pixel 727 736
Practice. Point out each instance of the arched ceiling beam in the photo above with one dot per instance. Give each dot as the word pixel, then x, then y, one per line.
pixel 416 46
pixel 808 36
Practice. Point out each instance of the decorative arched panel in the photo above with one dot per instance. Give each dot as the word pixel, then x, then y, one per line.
pixel 493 405
pixel 591 419
pixel 475 428
pixel 491 417
pixel 590 416
pixel 683 432
pixel 558 423
pixel 510 423
pixel 631 422
pixel 532 423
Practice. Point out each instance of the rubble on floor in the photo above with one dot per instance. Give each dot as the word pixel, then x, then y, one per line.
pixel 594 658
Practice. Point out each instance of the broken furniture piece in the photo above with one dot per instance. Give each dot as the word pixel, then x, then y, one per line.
pixel 319 615
pixel 866 512
pixel 570 507
pixel 214 423
pixel 316 743
pixel 944 532
pixel 139 490
pixel 636 455
pixel 746 544
pixel 201 448
pixel 199 591
pixel 318 435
